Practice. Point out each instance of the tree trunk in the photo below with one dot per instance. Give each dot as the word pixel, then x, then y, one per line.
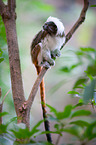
pixel 15 71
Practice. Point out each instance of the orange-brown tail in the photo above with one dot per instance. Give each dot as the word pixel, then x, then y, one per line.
pixel 42 93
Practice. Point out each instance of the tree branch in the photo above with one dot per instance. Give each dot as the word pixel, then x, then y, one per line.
pixel 68 37
pixel 36 86
pixel 5 96
pixel 78 23
pixel 2 5
pixel 12 5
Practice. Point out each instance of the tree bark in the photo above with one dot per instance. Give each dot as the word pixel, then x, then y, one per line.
pixel 9 19
pixel 16 79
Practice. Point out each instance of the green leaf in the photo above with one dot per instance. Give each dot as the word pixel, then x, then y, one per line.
pixel 72 130
pixel 3 128
pixel 34 129
pixel 93 6
pixel 22 133
pixel 60 115
pixel 13 119
pixel 52 109
pixel 56 126
pixel 65 114
pixel 88 49
pixel 80 113
pixel 77 105
pixel 73 92
pixel 89 91
pixel 52 118
pixel 1 59
pixel 79 53
pixel 1 52
pixel 91 70
pixel 80 123
pixel 81 101
pixel 65 69
pixel 3 114
pixel 67 111
pixel 89 131
pixel 89 75
pixel 75 65
pixel 47 132
pixel 2 33
pixel 80 81
pixel 25 133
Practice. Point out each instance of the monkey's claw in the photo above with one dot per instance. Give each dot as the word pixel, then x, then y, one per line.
pixel 55 53
pixel 51 61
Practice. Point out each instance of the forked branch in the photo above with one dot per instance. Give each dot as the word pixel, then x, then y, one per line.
pixel 78 22
pixel 68 37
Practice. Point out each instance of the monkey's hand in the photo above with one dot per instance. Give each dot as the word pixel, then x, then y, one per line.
pixel 55 53
pixel 46 58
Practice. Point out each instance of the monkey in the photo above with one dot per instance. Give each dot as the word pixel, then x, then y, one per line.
pixel 44 47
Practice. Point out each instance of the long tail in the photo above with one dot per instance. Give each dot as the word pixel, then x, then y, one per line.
pixel 42 93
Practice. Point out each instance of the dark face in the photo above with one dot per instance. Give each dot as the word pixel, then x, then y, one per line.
pixel 50 27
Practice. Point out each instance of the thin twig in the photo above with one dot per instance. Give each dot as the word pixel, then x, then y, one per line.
pixel 78 22
pixel 58 139
pixel 5 96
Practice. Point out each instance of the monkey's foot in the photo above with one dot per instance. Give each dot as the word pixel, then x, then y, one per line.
pixel 55 53
pixel 51 62
pixel 45 64
pixel 48 63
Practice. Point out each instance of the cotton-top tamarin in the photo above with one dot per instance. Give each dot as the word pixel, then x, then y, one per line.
pixel 45 46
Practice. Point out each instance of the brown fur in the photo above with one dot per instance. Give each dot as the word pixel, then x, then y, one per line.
pixel 34 54
pixel 40 36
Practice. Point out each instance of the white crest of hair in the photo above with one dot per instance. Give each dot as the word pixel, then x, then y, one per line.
pixel 58 23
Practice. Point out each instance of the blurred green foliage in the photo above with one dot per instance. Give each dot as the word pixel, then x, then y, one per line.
pixel 87 83
pixel 69 120
pixel 2 39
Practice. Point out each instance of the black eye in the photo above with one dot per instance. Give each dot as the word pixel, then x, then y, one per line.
pixel 45 26
pixel 50 27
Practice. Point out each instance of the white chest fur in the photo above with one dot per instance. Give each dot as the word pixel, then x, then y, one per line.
pixel 52 43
